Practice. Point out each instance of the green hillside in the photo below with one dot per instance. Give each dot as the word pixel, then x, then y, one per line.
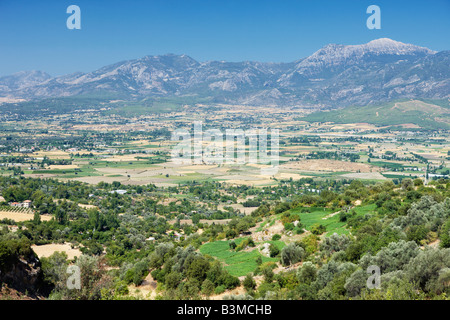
pixel 427 114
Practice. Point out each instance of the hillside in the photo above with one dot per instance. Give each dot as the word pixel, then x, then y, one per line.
pixel 426 114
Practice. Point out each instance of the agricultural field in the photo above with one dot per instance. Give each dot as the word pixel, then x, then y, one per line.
pixel 20 216
pixel 237 263
pixel 141 154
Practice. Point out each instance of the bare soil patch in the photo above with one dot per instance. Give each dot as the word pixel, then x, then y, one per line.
pixel 47 250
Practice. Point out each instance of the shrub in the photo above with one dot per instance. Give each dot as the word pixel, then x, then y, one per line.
pixel 416 233
pixel 289 226
pixel 219 290
pixel 273 250
pixel 121 288
pixel 198 269
pixel 173 280
pixel 318 229
pixel 245 243
pixel 229 281
pixel 268 274
pixel 207 287
pixel 445 235
pixel 249 283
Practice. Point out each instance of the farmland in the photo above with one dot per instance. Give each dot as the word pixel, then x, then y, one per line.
pixel 141 154
pixel 237 263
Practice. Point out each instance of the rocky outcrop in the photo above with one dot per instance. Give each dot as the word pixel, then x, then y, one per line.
pixel 24 274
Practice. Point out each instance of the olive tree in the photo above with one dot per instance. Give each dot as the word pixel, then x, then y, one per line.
pixel 391 258
pixel 291 254
pixel 307 273
pixel 428 267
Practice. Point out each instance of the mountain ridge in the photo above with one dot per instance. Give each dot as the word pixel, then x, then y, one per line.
pixel 335 75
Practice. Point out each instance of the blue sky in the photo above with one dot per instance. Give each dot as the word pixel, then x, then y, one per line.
pixel 34 34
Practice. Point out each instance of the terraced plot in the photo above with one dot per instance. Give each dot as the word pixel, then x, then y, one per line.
pixel 238 263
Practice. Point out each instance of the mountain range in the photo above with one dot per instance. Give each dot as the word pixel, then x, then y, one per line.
pixel 336 75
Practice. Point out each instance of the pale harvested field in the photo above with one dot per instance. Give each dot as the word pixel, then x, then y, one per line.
pixel 20 216
pixel 365 175
pixel 139 142
pixel 158 181
pixel 120 158
pixel 156 174
pixel 329 166
pixel 140 172
pixel 288 175
pixel 81 162
pixel 39 175
pixel 256 183
pixel 47 250
pixel 62 167
pixel 111 127
pixel 241 177
pixel 52 154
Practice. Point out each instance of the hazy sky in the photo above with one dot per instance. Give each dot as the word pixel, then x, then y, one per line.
pixel 34 35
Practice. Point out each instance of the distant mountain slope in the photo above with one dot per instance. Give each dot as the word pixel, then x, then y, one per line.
pixel 336 75
pixel 425 114
pixel 23 79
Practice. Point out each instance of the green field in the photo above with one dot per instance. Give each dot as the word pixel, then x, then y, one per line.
pixel 332 224
pixel 362 210
pixel 238 263
pixel 385 164
pixel 70 173
pixel 398 176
